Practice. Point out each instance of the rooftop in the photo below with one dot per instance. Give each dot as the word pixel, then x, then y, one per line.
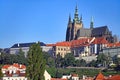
pixel 26 44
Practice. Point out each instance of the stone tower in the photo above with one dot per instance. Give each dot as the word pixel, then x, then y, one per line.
pixel 73 26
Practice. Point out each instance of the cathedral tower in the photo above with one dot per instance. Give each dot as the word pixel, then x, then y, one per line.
pixel 73 26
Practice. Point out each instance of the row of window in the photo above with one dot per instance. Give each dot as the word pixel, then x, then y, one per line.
pixel 15 79
pixel 62 49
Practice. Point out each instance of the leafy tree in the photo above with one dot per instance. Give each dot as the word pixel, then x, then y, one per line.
pixel 52 71
pixel 7 59
pixel 1 58
pixel 1 74
pixel 83 63
pixel 69 59
pixel 77 63
pixel 80 63
pixel 102 60
pixel 116 60
pixel 12 58
pixel 58 61
pixel 36 63
pixel 92 63
pixel 50 61
pixel 21 57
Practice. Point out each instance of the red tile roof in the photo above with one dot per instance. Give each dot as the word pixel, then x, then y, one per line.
pixel 81 42
pixel 117 44
pixel 60 44
pixel 115 77
pixel 5 66
pixel 88 41
pixel 67 44
pixel 74 75
pixel 17 72
pixel 100 40
pixel 20 66
pixel 100 76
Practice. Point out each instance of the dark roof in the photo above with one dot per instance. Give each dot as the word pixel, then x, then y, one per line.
pixel 26 44
pixel 84 32
pixel 100 30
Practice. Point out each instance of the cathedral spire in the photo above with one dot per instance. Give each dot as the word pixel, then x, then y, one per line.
pixel 76 18
pixel 69 21
pixel 81 19
pixel 91 23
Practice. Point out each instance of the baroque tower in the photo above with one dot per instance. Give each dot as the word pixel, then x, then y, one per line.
pixel 73 26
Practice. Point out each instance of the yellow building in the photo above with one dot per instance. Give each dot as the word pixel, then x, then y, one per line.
pixel 62 48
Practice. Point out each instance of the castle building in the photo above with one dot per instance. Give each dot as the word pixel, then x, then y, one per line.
pixel 61 48
pixel 75 29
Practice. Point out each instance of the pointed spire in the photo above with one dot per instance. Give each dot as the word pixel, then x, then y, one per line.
pixel 76 18
pixel 91 23
pixel 81 18
pixel 76 10
pixel 69 19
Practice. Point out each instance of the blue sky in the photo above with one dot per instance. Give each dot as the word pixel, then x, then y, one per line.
pixel 23 21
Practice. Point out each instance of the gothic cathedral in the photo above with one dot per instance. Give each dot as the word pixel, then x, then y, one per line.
pixel 75 29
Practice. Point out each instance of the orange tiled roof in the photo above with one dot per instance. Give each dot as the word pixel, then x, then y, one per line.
pixel 100 40
pixel 20 66
pixel 88 41
pixel 68 44
pixel 65 43
pixel 5 66
pixel 115 77
pixel 81 42
pixel 74 75
pixel 117 44
pixel 100 76
pixel 58 79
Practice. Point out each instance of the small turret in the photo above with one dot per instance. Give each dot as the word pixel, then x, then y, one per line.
pixel 91 23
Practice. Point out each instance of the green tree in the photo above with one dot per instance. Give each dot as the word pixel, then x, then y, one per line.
pixel 92 63
pixel 1 74
pixel 102 59
pixel 69 59
pixel 58 61
pixel 36 63
pixel 21 57
pixel 116 60
pixel 80 63
pixel 50 61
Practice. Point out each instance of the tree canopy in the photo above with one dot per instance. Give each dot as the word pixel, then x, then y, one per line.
pixel 36 63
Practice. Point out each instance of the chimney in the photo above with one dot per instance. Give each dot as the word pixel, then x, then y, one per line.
pixel 18 44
